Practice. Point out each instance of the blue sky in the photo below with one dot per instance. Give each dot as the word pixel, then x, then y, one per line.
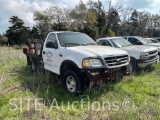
pixel 24 9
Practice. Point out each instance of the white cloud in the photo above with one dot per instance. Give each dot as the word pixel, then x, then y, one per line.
pixel 21 8
pixel 25 9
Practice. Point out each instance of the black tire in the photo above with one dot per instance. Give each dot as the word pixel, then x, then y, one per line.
pixel 34 66
pixel 77 85
pixel 132 65
pixel 29 62
pixel 40 66
pixel 118 77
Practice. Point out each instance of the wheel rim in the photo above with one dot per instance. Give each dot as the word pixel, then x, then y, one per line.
pixel 33 66
pixel 71 84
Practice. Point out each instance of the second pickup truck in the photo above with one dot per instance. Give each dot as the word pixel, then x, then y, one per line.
pixel 140 56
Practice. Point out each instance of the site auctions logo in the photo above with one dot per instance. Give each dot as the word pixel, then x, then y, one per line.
pixel 22 104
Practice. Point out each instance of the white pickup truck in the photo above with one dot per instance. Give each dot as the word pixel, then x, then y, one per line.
pixel 137 40
pixel 140 56
pixel 78 60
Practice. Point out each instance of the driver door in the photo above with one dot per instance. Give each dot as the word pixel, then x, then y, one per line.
pixel 50 54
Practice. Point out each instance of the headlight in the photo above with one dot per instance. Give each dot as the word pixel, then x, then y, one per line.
pixel 144 54
pixel 91 63
pixel 158 49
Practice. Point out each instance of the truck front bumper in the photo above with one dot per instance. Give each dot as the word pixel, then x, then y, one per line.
pixel 98 76
pixel 144 64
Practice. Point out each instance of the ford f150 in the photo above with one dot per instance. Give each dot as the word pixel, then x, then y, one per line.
pixel 77 59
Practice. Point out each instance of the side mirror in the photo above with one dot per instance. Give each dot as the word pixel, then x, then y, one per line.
pixel 98 43
pixel 52 45
pixel 139 43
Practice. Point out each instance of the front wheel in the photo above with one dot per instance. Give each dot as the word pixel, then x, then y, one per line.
pixel 132 66
pixel 72 82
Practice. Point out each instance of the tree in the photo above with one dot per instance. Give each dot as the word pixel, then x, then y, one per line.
pixel 52 18
pixel 97 8
pixel 114 20
pixel 94 20
pixel 17 33
pixel 125 26
pixel 143 22
pixel 83 20
pixel 134 22
pixel 3 40
pixel 155 25
pixel 35 34
pixel 43 23
pixel 59 17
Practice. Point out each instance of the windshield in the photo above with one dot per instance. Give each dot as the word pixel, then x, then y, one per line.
pixel 74 39
pixel 143 40
pixel 151 40
pixel 120 42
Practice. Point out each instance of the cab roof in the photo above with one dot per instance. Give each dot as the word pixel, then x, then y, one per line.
pixel 63 32
pixel 117 37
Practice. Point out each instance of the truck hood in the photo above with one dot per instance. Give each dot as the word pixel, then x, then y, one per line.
pixel 154 44
pixel 97 50
pixel 139 48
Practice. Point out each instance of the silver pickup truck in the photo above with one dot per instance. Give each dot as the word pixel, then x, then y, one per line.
pixel 137 40
pixel 140 56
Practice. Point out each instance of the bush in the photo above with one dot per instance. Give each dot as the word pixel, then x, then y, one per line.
pixel 110 33
pixel 3 40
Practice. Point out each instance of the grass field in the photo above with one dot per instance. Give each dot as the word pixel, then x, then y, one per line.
pixel 27 95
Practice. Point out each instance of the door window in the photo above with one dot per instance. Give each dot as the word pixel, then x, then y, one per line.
pixel 105 43
pixel 134 41
pixel 51 40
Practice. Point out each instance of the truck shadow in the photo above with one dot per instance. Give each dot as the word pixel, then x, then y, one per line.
pixel 50 88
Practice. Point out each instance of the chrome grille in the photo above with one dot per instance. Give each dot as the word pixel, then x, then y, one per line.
pixel 116 60
pixel 152 55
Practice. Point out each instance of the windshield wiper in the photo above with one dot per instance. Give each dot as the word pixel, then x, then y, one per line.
pixel 89 44
pixel 129 45
pixel 66 44
pixel 78 44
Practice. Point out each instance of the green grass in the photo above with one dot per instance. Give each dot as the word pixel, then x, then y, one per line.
pixel 17 81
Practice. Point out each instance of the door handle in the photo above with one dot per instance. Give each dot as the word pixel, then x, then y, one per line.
pixel 60 55
pixel 44 52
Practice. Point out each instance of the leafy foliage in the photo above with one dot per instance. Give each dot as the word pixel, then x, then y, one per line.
pixel 17 33
pixel 3 40
pixel 43 22
pixel 83 20
pixel 90 18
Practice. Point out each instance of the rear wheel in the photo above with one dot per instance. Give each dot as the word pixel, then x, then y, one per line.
pixel 72 82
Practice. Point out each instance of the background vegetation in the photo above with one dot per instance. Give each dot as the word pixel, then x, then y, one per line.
pixel 90 18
